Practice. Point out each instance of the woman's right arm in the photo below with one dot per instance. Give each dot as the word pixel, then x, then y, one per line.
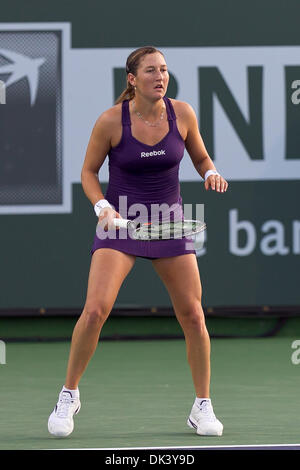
pixel 98 147
pixel 97 150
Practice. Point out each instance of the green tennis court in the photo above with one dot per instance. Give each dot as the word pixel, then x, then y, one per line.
pixel 139 394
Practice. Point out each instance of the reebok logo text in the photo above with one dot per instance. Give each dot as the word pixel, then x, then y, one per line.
pixel 153 153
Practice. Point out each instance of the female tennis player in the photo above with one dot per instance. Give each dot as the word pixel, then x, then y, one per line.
pixel 144 136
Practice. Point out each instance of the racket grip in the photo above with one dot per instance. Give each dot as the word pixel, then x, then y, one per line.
pixel 123 223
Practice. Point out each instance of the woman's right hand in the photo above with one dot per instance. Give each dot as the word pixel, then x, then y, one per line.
pixel 106 217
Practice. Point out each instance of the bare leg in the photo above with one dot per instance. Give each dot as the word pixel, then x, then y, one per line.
pixel 198 353
pixel 108 270
pixel 181 277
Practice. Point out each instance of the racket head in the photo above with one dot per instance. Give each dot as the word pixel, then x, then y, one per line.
pixel 168 230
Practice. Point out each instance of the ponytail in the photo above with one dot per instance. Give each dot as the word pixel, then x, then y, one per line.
pixel 127 94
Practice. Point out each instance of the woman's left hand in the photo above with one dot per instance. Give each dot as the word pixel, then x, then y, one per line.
pixel 216 183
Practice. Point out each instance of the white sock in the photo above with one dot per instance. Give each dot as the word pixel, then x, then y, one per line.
pixel 74 393
pixel 198 400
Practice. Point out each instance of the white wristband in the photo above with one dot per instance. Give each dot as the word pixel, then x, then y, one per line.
pixel 101 205
pixel 210 172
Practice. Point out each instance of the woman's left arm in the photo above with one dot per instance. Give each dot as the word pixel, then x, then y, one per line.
pixel 199 155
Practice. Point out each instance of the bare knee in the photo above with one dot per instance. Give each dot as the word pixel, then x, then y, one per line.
pixel 95 314
pixel 192 318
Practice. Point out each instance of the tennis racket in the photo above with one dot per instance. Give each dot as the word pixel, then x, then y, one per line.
pixel 163 230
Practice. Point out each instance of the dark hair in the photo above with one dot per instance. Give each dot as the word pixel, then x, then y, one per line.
pixel 132 64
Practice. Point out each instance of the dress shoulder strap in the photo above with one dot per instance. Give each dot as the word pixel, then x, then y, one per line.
pixel 125 113
pixel 170 110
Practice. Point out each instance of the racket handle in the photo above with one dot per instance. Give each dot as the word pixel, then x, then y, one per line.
pixel 123 223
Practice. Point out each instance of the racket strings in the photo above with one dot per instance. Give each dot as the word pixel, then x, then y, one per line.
pixel 169 230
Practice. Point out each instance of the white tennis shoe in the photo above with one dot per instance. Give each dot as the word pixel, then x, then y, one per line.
pixel 203 419
pixel 60 422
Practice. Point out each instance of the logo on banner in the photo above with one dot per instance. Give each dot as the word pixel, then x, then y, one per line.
pixel 31 122
pixel 21 67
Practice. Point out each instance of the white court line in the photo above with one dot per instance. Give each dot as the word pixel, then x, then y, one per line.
pixel 243 446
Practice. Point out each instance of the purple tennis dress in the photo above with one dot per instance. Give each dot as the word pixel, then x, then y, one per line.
pixel 145 177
